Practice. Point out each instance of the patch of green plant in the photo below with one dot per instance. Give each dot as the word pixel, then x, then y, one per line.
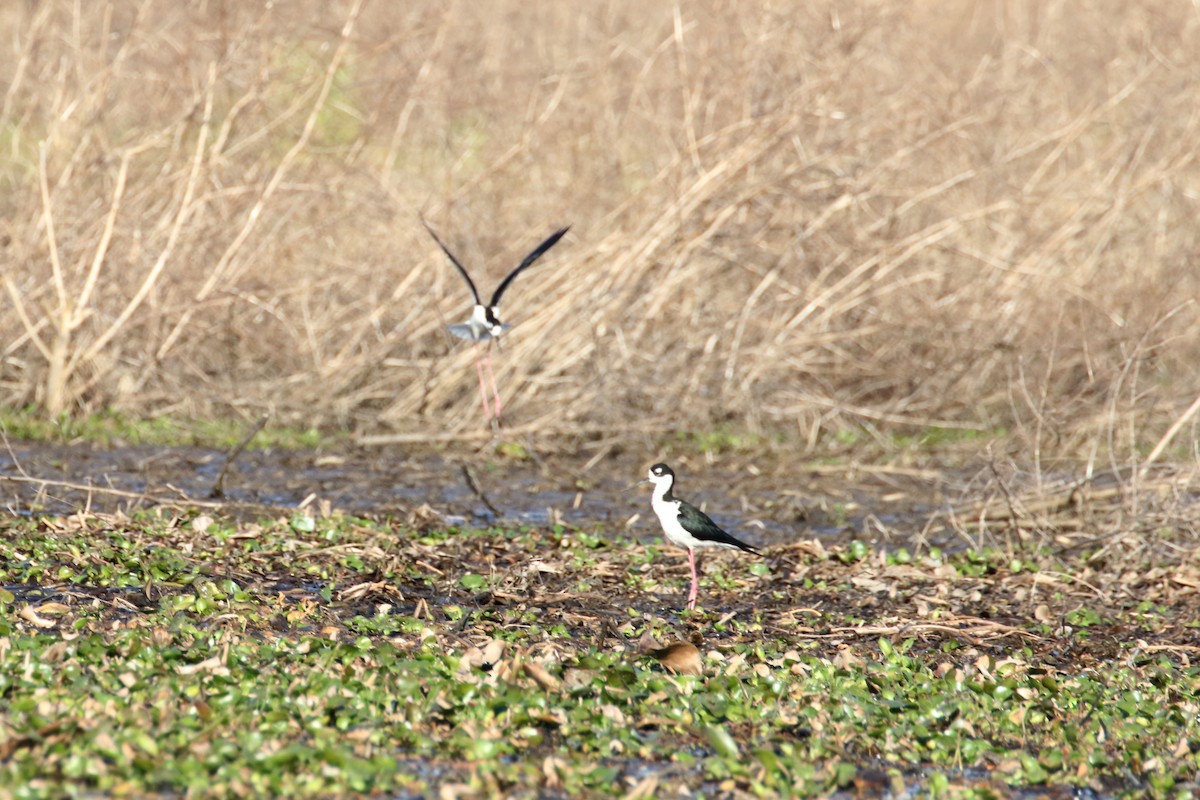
pixel 297 69
pixel 720 439
pixel 935 437
pixel 176 654
pixel 513 451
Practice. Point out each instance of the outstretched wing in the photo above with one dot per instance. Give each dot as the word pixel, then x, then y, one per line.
pixel 529 259
pixel 699 525
pixel 461 270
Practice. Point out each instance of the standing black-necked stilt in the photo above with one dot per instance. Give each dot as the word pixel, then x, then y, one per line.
pixel 484 326
pixel 686 525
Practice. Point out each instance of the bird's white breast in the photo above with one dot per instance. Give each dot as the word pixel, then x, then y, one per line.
pixel 668 516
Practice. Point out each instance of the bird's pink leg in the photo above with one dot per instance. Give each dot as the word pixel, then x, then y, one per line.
pixel 695 592
pixel 487 412
pixel 492 375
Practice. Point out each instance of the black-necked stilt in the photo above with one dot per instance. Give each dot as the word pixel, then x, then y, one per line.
pixel 484 325
pixel 686 525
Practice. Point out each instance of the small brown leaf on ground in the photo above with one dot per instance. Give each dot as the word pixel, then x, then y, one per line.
pixel 552 767
pixel 574 679
pixel 471 659
pixel 540 676
pixel 54 653
pixel 29 615
pixel 424 517
pixel 213 664
pixel 869 584
pixel 1186 580
pixel 456 791
pixel 846 659
pixel 53 608
pixel 681 658
pixel 492 652
pixel 647 643
pixel 610 711
pixel 646 787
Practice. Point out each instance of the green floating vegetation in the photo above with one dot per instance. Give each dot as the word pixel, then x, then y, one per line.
pixel 176 654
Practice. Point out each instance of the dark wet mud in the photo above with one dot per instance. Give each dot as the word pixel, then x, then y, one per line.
pixel 768 504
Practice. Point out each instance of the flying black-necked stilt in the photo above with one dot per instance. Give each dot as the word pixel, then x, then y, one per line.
pixel 686 525
pixel 484 325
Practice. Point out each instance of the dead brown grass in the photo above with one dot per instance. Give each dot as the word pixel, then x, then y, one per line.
pixel 803 218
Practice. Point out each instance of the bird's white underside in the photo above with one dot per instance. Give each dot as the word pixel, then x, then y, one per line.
pixel 476 329
pixel 668 516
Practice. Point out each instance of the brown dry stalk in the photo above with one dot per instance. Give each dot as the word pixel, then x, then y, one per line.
pixel 784 226
pixel 223 267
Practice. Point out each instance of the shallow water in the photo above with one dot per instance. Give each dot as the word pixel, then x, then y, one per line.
pixel 766 507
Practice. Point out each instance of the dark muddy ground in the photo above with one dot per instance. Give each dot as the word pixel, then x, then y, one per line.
pixel 767 502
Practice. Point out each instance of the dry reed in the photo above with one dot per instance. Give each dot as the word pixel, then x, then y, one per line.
pixel 800 219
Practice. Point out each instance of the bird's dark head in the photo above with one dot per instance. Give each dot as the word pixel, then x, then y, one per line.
pixel 660 474
pixel 494 326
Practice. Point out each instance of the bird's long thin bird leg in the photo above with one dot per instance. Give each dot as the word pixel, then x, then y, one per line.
pixel 487 411
pixel 695 592
pixel 492 375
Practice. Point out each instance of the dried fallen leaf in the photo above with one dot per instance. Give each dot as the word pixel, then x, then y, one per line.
pixel 577 679
pixel 493 651
pixel 610 711
pixel 646 787
pixel 424 517
pixel 869 584
pixel 647 643
pixel 29 615
pixel 552 768
pixel 681 658
pixel 540 676
pixel 54 653
pixel 213 664
pixel 53 608
pixel 846 659
pixel 456 791
pixel 471 659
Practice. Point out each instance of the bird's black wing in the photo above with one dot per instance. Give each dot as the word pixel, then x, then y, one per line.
pixel 462 271
pixel 529 259
pixel 698 524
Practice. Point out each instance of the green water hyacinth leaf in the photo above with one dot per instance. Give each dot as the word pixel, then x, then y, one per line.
pixel 473 582
pixel 303 523
pixel 278 664
pixel 720 740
